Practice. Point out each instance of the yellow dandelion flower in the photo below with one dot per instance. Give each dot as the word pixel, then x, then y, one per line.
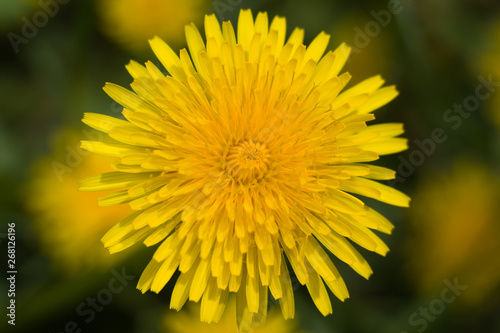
pixel 132 22
pixel 69 222
pixel 455 232
pixel 186 322
pixel 246 154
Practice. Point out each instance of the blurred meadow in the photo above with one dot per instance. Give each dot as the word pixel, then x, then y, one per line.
pixel 442 273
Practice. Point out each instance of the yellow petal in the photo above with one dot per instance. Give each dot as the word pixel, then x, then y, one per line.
pixel 385 146
pixel 162 232
pixel 112 181
pixel 246 29
pixel 318 292
pixel 287 302
pixel 211 301
pixel 200 280
pixel 168 58
pixel 320 261
pixel 181 290
pixel 136 70
pixel 252 292
pixel 109 149
pixel 115 198
pixel 148 275
pixel 386 194
pixel 119 231
pixel 262 25
pixel 128 99
pixel 164 273
pixel 338 288
pixel 317 47
pixel 212 29
pixel 279 25
pixel 105 123
pixel 341 54
pixel 378 99
pixel 129 240
pixel 195 44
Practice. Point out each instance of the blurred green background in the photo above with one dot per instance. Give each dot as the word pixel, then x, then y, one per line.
pixel 56 56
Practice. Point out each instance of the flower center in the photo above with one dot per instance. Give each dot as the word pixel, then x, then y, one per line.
pixel 248 161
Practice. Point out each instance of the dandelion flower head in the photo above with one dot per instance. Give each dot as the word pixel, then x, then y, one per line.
pixel 245 157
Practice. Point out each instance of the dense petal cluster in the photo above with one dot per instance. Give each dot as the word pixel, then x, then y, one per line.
pixel 245 157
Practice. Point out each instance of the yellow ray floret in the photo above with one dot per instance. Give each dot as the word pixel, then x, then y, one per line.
pixel 244 163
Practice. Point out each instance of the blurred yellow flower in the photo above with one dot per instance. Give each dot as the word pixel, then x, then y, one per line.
pixel 456 228
pixel 246 155
pixel 488 64
pixel 370 54
pixel 188 322
pixel 68 222
pixel 132 22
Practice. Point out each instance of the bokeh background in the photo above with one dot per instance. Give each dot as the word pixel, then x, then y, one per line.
pixel 443 271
